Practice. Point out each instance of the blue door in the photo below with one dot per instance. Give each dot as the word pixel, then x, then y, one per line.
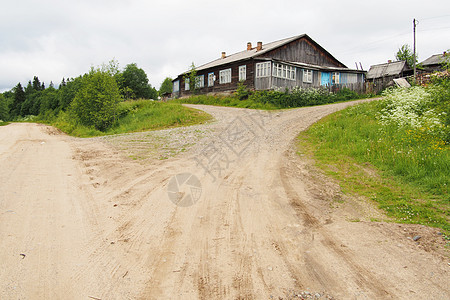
pixel 325 78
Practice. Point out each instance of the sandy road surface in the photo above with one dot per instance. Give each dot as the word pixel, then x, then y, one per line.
pixel 80 220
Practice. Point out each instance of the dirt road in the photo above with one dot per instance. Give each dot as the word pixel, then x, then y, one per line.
pixel 79 219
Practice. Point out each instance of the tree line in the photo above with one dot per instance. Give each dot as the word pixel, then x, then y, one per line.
pixel 91 98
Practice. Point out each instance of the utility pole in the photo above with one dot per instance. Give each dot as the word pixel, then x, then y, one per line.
pixel 414 55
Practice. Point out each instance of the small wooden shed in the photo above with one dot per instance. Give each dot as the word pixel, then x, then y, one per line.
pixel 382 76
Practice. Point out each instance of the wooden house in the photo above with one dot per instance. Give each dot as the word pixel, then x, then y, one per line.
pixel 293 62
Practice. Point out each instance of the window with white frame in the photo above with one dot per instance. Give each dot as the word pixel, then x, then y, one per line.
pixel 263 69
pixel 225 76
pixel 307 76
pixel 200 81
pixel 283 71
pixel 186 84
pixel 176 86
pixel 293 73
pixel 242 73
pixel 210 79
pixel 335 78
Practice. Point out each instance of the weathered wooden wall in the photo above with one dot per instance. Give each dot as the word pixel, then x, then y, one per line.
pixel 276 83
pixel 225 87
pixel 303 51
pixel 379 84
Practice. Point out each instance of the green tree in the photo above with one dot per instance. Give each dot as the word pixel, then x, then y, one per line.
pixel 96 103
pixel 19 99
pixel 112 67
pixel 67 91
pixel 29 89
pixel 134 82
pixel 405 53
pixel 191 76
pixel 32 97
pixel 45 101
pixel 26 106
pixel 37 86
pixel 166 86
pixel 3 108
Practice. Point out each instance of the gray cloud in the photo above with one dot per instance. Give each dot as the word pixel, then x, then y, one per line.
pixel 55 39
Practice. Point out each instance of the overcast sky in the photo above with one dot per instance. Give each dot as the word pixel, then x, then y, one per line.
pixel 53 39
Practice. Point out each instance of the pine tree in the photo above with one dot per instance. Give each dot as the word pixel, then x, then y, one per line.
pixel 19 99
pixel 3 108
pixel 36 84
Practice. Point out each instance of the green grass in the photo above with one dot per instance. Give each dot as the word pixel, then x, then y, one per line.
pixel 3 123
pixel 273 99
pixel 135 116
pixel 406 172
pixel 225 101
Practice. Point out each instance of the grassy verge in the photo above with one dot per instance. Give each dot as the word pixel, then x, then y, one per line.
pixel 405 171
pixel 135 116
pixel 225 101
pixel 3 123
pixel 269 100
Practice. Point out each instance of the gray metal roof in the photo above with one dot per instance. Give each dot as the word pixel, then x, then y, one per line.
pixel 387 69
pixel 247 54
pixel 436 59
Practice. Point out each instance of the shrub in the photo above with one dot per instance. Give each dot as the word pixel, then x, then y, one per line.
pixel 242 92
pixel 273 99
pixel 96 103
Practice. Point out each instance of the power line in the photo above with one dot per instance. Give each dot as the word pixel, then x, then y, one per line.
pixel 430 29
pixel 438 17
pixel 370 45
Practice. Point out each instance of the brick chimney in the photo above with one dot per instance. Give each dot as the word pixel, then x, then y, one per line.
pixel 259 46
pixel 249 46
pixel 224 55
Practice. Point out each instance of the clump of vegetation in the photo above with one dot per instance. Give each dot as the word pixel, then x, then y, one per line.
pixel 404 137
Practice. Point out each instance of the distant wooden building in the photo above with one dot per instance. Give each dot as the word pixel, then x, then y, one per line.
pixel 434 63
pixel 382 76
pixel 293 62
